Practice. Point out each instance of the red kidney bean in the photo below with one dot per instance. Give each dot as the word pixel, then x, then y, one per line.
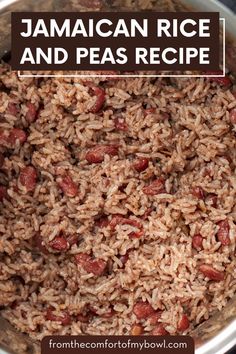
pixel 223 81
pixel 232 116
pixel 32 112
pixel 136 330
pixel 95 266
pixel 120 124
pixel 68 186
pixel 211 273
pixel 197 242
pixel 59 243
pixel 159 330
pixel 64 317
pixel 212 199
pixel 223 232
pixel 100 93
pixel 154 318
pixel 3 193
pixel 141 164
pixel 98 152
pixel 17 134
pixel 13 108
pixel 143 310
pixel 183 323
pixel 155 187
pixel 28 178
pixel 198 192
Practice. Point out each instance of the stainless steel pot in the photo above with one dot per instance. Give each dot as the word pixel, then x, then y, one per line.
pixel 218 334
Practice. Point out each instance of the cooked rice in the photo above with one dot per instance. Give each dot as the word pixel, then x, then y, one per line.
pixel 192 146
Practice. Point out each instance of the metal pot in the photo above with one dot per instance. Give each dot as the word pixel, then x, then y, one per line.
pixel 218 334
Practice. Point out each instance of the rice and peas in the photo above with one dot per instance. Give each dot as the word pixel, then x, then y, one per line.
pixel 117 203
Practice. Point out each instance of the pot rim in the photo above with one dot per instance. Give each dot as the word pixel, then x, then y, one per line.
pixel 226 338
